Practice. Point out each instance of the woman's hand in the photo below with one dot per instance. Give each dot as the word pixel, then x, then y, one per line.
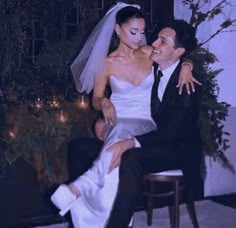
pixel 100 128
pixel 186 78
pixel 109 111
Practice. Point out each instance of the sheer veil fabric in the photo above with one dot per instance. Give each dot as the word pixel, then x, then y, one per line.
pixel 89 63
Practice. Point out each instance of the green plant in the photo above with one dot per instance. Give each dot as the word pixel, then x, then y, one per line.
pixel 40 132
pixel 37 134
pixel 213 113
pixel 22 81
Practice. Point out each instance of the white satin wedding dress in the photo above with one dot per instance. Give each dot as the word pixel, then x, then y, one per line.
pixel 98 187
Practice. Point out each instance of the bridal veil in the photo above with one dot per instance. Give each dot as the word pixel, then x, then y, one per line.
pixel 89 63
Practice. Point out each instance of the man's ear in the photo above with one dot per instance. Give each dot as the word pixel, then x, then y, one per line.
pixel 180 51
pixel 117 29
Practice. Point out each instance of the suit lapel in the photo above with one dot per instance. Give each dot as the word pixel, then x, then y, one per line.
pixel 170 90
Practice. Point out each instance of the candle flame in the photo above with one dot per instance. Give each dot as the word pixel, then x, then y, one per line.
pixel 12 134
pixel 38 103
pixel 62 117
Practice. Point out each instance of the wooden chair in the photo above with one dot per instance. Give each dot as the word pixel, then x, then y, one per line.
pixel 175 178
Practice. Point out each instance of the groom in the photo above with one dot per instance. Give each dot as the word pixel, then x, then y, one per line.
pixel 176 144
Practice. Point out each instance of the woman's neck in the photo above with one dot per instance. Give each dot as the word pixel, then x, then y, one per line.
pixel 125 50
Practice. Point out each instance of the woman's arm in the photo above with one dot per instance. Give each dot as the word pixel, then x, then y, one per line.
pixel 100 102
pixel 98 92
pixel 186 77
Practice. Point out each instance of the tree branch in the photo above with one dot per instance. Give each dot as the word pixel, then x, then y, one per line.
pixel 198 16
pixel 219 5
pixel 223 26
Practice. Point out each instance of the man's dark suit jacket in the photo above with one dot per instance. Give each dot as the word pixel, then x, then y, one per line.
pixel 175 144
pixel 177 128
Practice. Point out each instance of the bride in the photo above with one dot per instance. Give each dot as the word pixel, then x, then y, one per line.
pixel 114 54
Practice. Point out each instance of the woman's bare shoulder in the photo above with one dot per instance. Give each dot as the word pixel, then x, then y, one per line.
pixel 108 65
pixel 108 62
pixel 147 49
pixel 112 59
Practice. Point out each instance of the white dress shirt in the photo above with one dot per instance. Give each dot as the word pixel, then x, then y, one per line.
pixel 165 79
pixel 162 87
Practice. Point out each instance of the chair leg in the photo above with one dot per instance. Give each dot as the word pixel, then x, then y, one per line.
pixel 171 215
pixel 191 209
pixel 176 205
pixel 150 204
pixel 149 211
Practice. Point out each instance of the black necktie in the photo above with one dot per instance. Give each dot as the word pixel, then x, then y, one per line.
pixel 155 101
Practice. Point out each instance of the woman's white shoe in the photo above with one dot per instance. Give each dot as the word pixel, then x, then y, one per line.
pixel 63 199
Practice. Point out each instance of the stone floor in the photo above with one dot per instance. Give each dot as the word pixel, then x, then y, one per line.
pixel 210 215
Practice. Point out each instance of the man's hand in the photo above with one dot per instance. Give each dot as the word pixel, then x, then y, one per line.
pixel 118 149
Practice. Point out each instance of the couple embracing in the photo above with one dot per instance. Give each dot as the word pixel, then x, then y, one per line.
pixel 149 125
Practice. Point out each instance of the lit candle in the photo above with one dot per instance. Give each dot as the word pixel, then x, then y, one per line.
pixel 55 103
pixel 62 117
pixel 38 103
pixel 82 102
pixel 12 134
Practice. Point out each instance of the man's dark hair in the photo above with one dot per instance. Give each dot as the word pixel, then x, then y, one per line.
pixel 185 35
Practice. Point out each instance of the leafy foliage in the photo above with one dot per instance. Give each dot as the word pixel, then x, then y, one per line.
pixel 213 113
pixel 37 134
pixel 40 134
pixel 49 75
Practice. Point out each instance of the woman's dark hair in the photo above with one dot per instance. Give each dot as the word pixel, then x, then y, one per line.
pixel 123 16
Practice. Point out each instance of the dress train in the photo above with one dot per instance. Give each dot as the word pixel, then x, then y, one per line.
pixel 99 187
